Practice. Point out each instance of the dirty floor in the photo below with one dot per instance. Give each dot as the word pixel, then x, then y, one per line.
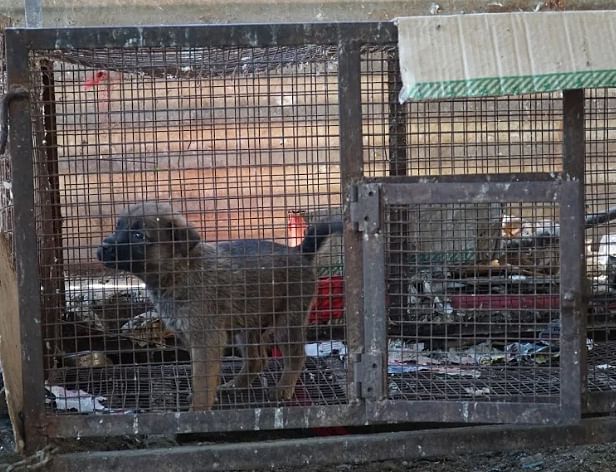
pixel 595 458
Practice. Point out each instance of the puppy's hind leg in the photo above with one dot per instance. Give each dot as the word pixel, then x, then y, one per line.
pixel 290 340
pixel 206 351
pixel 252 363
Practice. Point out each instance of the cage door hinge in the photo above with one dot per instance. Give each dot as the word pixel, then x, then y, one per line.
pixel 369 375
pixel 357 376
pixel 366 207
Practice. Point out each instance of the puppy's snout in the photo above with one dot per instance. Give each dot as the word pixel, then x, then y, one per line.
pixel 105 251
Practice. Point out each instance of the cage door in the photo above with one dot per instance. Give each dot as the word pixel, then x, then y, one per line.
pixel 472 301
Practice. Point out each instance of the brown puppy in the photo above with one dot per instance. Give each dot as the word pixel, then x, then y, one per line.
pixel 203 291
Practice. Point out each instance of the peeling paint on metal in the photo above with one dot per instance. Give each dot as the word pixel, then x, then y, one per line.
pixel 278 418
pixel 257 419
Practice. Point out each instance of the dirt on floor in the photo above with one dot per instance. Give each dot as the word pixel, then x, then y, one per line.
pixel 594 458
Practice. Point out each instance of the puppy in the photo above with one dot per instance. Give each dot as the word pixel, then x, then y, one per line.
pixel 205 290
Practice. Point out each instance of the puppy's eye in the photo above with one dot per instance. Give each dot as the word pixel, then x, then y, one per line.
pixel 138 236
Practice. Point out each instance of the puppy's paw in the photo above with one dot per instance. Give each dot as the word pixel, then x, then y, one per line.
pixel 200 407
pixel 200 402
pixel 279 393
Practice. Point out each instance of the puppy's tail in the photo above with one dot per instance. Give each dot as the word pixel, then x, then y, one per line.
pixel 317 234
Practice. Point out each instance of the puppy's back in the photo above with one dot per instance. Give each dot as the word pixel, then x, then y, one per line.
pixel 267 276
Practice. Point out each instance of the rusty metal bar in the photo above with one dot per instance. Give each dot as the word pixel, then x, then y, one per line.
pixel 353 449
pixel 466 178
pixel 68 426
pixel 351 169
pixel 398 118
pixel 51 252
pixel 472 192
pixel 25 237
pixel 398 244
pixel 451 411
pixel 17 92
pixel 572 256
pixel 246 35
pixel 368 217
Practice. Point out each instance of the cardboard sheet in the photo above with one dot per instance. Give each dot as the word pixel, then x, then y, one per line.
pixel 506 53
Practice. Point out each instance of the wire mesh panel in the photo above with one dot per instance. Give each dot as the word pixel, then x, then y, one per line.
pixel 473 315
pixel 6 195
pixel 600 203
pixel 461 137
pixel 476 136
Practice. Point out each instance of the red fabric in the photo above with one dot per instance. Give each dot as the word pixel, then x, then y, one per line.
pixel 328 303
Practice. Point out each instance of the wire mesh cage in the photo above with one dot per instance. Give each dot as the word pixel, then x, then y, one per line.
pixel 259 225
pixel 600 114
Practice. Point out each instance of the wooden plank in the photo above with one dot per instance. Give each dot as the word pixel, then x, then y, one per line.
pixel 10 349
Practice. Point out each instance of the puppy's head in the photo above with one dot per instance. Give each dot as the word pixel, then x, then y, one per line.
pixel 147 237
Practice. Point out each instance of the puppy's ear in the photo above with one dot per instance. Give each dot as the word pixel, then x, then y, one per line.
pixel 184 236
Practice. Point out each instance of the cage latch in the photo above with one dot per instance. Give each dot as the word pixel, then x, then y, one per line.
pixel 365 207
pixel 16 92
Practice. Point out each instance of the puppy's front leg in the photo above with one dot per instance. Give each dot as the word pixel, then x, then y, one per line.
pixel 206 357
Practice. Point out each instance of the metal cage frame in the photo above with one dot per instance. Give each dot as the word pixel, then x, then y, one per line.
pixel 363 289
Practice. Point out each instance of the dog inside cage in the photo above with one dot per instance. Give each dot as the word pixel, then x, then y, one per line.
pixel 190 215
pixel 202 292
pixel 200 230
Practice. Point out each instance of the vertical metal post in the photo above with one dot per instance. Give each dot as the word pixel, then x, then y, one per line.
pixel 572 254
pixel 33 10
pixel 25 240
pixel 51 250
pixel 368 216
pixel 398 158
pixel 6 202
pixel 351 170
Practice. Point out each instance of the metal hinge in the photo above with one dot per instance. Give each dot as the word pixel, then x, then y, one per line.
pixel 366 207
pixel 369 380
pixel 16 92
pixel 357 376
